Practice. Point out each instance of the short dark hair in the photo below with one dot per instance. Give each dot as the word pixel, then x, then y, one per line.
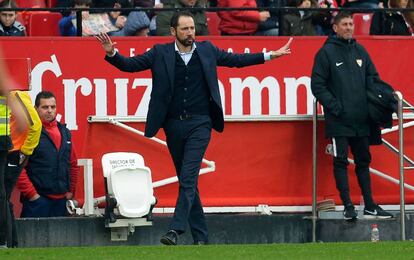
pixel 341 15
pixel 8 4
pixel 43 95
pixel 176 17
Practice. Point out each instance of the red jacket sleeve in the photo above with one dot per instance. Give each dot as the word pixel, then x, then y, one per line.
pixel 74 170
pixel 25 186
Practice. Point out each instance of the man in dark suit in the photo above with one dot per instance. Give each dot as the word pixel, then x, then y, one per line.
pixel 185 101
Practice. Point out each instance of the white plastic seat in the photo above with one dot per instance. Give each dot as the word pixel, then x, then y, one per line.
pixel 129 181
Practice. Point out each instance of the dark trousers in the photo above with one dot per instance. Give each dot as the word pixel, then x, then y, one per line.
pixel 3 200
pixel 187 142
pixel 362 157
pixel 44 207
pixel 13 170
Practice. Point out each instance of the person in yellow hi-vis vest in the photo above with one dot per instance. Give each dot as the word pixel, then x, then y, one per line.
pixel 25 129
pixel 5 145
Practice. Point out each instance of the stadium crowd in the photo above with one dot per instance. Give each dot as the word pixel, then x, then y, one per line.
pixel 270 18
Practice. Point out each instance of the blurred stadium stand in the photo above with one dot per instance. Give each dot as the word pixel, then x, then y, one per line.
pixel 51 3
pixel 31 3
pixel 46 23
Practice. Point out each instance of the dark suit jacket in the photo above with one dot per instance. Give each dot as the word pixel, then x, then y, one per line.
pixel 161 60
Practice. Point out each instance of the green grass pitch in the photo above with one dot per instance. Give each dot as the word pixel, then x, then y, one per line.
pixel 355 250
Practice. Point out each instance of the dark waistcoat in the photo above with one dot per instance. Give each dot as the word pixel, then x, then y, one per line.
pixel 191 94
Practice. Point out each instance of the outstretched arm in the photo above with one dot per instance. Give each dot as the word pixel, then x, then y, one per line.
pixel 131 64
pixel 246 59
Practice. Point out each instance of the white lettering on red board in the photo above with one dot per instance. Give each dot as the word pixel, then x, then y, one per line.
pixel 99 88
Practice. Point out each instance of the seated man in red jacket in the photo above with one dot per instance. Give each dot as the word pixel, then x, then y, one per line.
pixel 50 176
pixel 240 22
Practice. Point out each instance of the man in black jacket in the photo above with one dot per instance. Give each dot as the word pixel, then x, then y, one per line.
pixel 186 103
pixel 341 70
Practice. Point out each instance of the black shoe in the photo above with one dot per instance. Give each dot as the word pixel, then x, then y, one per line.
pixel 376 212
pixel 169 239
pixel 200 243
pixel 350 213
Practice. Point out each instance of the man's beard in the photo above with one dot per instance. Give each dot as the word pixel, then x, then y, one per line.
pixel 347 36
pixel 187 41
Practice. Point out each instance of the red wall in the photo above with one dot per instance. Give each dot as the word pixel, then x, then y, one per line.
pixel 266 162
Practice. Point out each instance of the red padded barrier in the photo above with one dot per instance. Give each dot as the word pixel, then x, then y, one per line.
pixel 44 24
pixel 362 22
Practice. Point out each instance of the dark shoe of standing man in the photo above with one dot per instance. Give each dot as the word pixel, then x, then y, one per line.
pixel 169 239
pixel 350 213
pixel 376 212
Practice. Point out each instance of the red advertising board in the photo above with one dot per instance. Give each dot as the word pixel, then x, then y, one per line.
pixel 20 68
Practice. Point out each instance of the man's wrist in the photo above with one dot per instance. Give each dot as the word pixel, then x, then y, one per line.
pixel 267 56
pixel 111 54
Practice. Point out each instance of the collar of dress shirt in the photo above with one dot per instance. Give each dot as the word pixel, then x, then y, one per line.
pixel 193 47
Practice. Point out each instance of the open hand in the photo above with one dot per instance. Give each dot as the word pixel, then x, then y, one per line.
pixel 264 15
pixel 106 43
pixel 285 50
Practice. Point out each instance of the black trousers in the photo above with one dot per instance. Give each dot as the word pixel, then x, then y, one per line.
pixel 187 142
pixel 12 173
pixel 44 207
pixel 362 157
pixel 4 212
